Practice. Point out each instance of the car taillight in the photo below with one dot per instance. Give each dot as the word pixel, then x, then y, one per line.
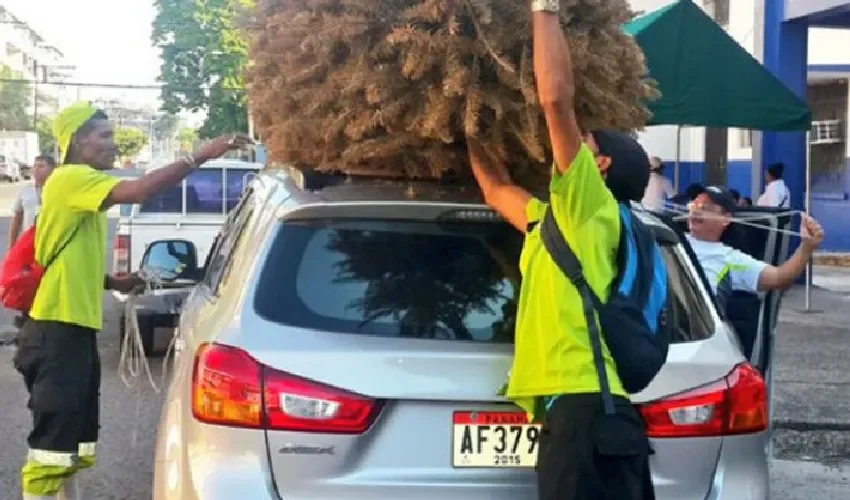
pixel 229 387
pixel 121 255
pixel 295 404
pixel 737 404
pixel 226 387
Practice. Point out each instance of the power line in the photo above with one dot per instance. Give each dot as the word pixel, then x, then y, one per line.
pixel 102 85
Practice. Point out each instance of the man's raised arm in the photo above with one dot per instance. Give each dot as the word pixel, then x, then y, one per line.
pixel 499 191
pixel 553 72
pixel 141 189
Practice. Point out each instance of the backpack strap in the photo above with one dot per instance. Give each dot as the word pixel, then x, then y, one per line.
pixel 64 245
pixel 569 264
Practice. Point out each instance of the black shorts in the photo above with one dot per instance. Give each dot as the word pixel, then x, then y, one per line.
pixel 61 369
pixel 587 455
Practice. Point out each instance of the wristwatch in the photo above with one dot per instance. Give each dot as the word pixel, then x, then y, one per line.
pixel 551 6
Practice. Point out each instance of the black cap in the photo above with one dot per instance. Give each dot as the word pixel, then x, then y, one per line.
pixel 721 197
pixel 629 172
pixel 693 190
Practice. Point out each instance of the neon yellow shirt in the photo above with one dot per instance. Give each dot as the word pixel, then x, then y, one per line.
pixel 71 290
pixel 553 354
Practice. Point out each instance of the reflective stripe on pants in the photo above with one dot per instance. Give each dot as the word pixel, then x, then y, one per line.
pixel 70 491
pixel 87 455
pixel 51 474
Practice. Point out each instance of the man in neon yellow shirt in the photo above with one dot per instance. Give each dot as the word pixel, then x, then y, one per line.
pixel 584 454
pixel 57 353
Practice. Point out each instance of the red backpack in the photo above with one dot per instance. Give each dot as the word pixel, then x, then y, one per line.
pixel 21 274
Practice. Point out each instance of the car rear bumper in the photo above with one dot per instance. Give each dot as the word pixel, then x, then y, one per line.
pixel 742 474
pixel 204 462
pixel 743 471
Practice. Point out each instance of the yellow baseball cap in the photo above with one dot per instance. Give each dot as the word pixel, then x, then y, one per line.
pixel 69 122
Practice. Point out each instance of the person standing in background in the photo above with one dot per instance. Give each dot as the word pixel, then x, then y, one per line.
pixel 659 189
pixel 776 193
pixel 28 202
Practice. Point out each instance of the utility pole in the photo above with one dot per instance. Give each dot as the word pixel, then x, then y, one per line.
pixel 35 95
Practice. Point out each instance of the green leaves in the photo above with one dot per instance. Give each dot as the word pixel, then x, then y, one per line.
pixel 204 52
pixel 130 141
pixel 46 141
pixel 15 100
pixel 187 137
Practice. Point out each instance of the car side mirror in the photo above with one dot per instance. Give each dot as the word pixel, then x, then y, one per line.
pixel 171 260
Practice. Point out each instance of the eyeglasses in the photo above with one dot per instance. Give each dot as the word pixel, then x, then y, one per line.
pixel 700 206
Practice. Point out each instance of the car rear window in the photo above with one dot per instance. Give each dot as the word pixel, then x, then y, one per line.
pixel 442 281
pixel 208 191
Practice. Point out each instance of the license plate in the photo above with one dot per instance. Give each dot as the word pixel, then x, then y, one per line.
pixel 493 439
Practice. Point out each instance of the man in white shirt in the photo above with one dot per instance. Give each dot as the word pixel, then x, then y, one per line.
pixel 659 189
pixel 776 193
pixel 28 202
pixel 728 269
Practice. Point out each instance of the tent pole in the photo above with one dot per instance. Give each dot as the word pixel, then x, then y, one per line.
pixel 809 266
pixel 678 157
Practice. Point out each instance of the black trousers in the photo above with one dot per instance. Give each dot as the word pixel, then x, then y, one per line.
pixel 588 455
pixel 61 369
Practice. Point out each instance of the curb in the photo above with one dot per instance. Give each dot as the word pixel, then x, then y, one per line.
pixel 832 259
pixel 804 426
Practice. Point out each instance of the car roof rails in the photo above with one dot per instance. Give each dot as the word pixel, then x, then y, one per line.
pixel 311 179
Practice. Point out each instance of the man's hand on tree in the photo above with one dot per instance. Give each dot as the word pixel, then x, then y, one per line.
pixel 220 145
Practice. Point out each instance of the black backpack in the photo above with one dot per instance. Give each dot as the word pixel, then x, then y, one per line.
pixel 632 319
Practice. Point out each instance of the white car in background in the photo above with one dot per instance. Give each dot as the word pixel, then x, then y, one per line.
pixel 195 211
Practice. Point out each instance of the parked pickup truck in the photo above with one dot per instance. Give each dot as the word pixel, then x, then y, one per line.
pixel 194 211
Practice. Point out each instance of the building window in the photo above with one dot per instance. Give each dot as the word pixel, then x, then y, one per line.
pixel 718 10
pixel 745 138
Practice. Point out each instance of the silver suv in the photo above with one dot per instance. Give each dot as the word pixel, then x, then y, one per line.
pixel 348 338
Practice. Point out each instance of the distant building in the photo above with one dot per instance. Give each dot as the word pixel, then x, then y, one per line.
pixel 28 53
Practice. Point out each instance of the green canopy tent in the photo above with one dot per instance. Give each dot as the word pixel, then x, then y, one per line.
pixel 707 79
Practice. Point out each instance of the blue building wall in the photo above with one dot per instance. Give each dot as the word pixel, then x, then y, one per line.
pixel 786 56
pixel 739 176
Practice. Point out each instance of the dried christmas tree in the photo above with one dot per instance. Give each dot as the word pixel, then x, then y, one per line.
pixel 391 87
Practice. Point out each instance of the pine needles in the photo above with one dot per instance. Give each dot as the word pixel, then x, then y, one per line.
pixel 391 87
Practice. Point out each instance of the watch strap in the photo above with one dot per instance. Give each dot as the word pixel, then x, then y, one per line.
pixel 551 6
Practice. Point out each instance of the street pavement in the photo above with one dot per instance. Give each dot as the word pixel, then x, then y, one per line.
pixel 812 413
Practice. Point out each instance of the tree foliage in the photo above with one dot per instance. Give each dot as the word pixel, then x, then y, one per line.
pixel 187 138
pixel 15 101
pixel 130 141
pixel 204 53
pixel 46 141
pixel 393 86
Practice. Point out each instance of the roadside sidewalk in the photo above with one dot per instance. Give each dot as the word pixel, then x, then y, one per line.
pixel 811 376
